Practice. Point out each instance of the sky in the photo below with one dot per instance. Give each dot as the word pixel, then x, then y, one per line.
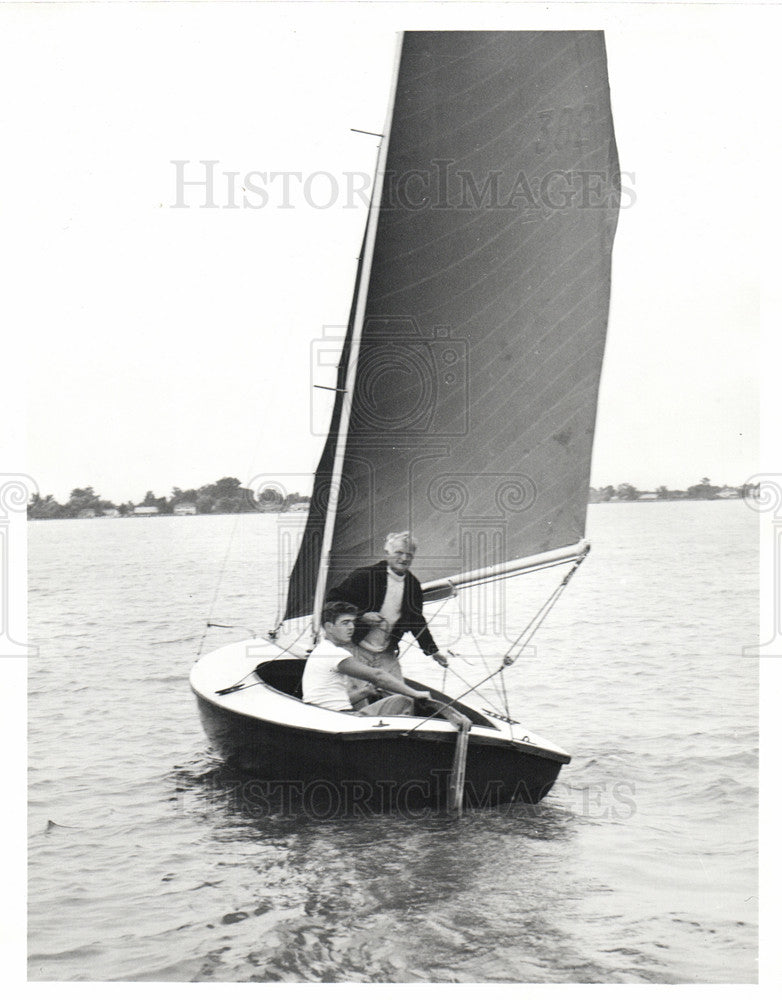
pixel 169 346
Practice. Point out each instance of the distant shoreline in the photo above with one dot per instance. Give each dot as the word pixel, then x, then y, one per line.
pixel 148 517
pixel 166 514
pixel 604 503
pixel 228 496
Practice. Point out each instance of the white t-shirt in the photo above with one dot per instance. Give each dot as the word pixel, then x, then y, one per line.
pixel 322 684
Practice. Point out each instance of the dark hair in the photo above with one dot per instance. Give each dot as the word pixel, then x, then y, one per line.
pixel 334 609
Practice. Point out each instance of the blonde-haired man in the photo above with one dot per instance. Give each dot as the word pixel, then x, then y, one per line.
pixel 390 602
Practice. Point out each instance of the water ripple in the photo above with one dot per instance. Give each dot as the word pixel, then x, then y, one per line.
pixel 146 863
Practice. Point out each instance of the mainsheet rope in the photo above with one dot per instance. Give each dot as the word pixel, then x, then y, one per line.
pixel 529 631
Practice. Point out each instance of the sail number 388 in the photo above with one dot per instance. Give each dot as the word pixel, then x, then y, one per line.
pixel 565 128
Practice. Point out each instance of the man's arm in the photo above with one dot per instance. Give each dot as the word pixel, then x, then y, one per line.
pixel 419 626
pixel 354 668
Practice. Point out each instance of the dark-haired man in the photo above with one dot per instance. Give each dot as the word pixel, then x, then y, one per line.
pixel 331 663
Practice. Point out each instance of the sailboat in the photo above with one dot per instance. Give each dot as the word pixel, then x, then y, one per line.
pixel 464 409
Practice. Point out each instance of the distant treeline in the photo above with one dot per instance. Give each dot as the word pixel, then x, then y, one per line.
pixel 226 496
pixel 704 490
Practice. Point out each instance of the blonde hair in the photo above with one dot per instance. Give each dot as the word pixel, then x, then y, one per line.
pixel 394 538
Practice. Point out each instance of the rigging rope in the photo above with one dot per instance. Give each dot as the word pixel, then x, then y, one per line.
pixel 479 651
pixel 218 584
pixel 529 630
pixel 537 620
pixel 464 680
pixel 209 625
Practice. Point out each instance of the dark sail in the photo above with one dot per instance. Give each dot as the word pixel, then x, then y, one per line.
pixel 487 306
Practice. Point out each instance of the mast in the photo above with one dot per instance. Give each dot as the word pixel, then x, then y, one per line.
pixel 350 379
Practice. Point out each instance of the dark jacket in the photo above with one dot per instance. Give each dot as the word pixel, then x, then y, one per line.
pixel 366 588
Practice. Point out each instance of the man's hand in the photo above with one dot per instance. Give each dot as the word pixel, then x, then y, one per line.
pixel 371 618
pixel 440 658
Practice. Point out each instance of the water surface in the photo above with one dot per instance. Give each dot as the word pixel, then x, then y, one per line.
pixel 147 860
